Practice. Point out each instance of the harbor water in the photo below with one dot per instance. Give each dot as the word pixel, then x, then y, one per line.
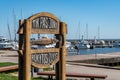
pixel 94 51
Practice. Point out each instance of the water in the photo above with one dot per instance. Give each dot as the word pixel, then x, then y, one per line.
pixel 94 51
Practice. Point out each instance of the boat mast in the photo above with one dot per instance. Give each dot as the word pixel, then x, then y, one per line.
pixel 21 14
pixel 14 16
pixel 79 29
pixel 9 29
pixel 78 32
pixel 86 31
pixel 98 32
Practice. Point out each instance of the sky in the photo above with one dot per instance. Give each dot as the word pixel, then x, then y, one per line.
pixel 102 17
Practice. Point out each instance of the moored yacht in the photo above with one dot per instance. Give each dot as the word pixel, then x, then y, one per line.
pixel 116 44
pixel 83 44
pixel 5 44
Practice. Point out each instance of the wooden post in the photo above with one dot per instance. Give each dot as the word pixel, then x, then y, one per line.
pixel 63 51
pixel 20 76
pixel 57 71
pixel 27 52
pixel 61 65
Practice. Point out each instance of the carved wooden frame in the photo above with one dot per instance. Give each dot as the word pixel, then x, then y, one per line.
pixel 25 52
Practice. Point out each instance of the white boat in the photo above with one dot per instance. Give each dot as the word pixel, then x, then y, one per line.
pixel 43 46
pixel 116 44
pixel 46 42
pixel 82 44
pixel 68 44
pixel 6 45
pixel 43 42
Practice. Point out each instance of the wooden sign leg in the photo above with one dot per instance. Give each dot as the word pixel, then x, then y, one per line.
pixel 61 65
pixel 27 53
pixel 21 37
pixel 20 76
pixel 63 51
pixel 57 71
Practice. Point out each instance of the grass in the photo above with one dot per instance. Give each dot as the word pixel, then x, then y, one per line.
pixel 39 78
pixel 47 69
pixel 1 52
pixel 3 64
pixel 9 76
pixel 117 66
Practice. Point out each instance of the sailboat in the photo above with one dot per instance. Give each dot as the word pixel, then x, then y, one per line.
pixel 43 42
pixel 83 44
pixel 5 44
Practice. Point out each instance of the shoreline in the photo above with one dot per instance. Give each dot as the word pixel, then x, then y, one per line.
pixel 92 56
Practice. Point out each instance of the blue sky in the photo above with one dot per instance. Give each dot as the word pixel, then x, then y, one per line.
pixel 104 14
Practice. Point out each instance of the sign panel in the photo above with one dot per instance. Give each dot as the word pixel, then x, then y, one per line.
pixel 42 60
pixel 44 23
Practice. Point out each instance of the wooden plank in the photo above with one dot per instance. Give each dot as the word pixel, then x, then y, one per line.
pixel 45 50
pixel 42 31
pixel 8 68
pixel 44 41
pixel 83 75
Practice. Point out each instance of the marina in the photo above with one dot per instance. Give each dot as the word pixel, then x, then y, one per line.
pixel 99 43
pixel 60 40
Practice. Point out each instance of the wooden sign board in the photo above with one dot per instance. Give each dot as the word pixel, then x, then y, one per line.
pixel 42 23
pixel 45 57
pixel 44 60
